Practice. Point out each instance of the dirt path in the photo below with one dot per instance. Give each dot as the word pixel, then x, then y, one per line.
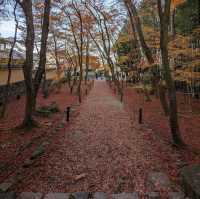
pixel 100 151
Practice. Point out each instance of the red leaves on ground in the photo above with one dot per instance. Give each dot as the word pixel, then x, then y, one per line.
pixel 103 148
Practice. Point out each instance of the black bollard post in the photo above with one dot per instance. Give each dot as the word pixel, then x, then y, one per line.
pixel 68 111
pixel 140 116
pixel 121 97
pixel 18 97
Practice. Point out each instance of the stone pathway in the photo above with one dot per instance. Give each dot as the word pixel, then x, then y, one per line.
pixel 103 145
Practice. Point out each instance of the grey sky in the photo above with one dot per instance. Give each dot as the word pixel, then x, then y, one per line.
pixel 7 27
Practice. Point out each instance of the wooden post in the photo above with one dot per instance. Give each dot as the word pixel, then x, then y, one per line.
pixel 18 97
pixel 68 112
pixel 121 96
pixel 140 116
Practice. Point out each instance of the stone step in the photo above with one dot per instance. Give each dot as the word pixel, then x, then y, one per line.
pixel 87 195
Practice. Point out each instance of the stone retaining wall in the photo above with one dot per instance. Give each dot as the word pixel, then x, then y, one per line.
pixel 17 88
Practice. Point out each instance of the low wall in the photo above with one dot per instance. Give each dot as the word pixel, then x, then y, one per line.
pixel 17 81
pixel 17 88
pixel 17 75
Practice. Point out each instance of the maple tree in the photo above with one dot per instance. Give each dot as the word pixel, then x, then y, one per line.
pixel 10 63
pixel 102 37
pixel 149 32
pixel 43 49
pixel 76 28
pixel 173 117
pixel 175 3
pixel 32 85
pixel 28 65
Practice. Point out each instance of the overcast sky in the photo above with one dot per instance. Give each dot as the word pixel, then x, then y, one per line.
pixel 7 27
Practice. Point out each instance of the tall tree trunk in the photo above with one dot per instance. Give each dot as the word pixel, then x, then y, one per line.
pixel 45 31
pixel 2 113
pixel 173 116
pixel 74 80
pixel 28 65
pixel 87 59
pixel 81 67
pixel 44 86
pixel 58 68
pixel 199 13
pixel 163 100
pixel 79 47
pixel 100 18
pixel 69 76
pixel 138 33
pixel 136 25
pixel 173 26
pixel 80 52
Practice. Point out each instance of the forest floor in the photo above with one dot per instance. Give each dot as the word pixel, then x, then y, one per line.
pixel 154 118
pixel 102 148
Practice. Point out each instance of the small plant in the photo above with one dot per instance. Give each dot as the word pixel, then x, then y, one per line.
pixel 46 111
